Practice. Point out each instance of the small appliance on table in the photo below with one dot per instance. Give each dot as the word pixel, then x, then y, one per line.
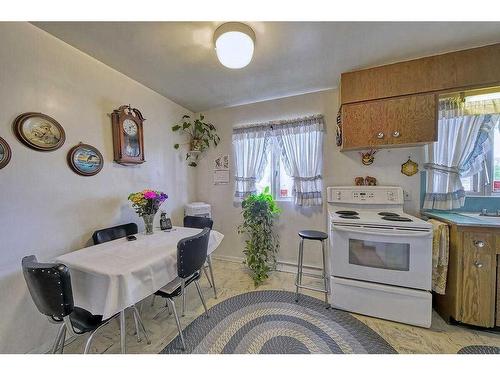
pixel 380 257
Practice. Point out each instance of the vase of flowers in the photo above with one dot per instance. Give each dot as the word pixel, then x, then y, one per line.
pixel 146 203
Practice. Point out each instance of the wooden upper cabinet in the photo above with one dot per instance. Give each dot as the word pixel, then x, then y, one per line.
pixel 408 120
pixel 462 69
pixel 396 105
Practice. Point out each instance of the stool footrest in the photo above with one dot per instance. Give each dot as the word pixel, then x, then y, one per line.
pixel 312 275
pixel 311 288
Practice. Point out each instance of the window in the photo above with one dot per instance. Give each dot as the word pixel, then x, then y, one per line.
pixel 274 175
pixel 487 181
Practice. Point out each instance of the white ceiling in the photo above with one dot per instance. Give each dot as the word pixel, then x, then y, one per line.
pixel 177 59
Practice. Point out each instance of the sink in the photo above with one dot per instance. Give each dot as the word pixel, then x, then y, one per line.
pixel 477 215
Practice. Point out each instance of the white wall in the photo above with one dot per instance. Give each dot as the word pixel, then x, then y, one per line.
pixel 339 169
pixel 45 208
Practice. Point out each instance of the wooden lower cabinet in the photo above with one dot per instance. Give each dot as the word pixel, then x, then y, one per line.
pixel 471 289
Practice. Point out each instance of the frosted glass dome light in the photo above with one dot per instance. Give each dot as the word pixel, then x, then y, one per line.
pixel 234 44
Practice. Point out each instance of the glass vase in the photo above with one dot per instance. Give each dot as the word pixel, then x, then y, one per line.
pixel 148 222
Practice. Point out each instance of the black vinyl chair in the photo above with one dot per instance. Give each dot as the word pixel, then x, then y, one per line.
pixel 203 222
pixel 191 256
pixel 50 287
pixel 113 233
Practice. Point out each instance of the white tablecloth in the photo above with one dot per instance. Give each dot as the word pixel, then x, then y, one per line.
pixel 112 276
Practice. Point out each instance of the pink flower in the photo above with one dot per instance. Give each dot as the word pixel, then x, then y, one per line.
pixel 150 195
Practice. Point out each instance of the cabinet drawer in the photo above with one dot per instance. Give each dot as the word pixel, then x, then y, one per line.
pixel 478 279
pixel 391 122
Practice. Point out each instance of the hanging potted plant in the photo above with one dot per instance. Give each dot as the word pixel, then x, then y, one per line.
pixel 201 135
pixel 262 245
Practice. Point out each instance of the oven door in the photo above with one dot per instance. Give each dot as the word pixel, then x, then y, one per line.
pixel 388 256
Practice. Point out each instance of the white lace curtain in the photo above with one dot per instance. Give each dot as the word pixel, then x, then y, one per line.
pixel 464 140
pixel 301 143
pixel 250 151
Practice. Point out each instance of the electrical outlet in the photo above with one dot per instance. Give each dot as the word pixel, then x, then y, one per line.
pixel 406 195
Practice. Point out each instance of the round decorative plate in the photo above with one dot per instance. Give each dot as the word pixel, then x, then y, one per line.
pixel 85 160
pixel 5 153
pixel 38 131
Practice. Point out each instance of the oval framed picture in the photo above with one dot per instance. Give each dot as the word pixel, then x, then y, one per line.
pixel 5 153
pixel 85 160
pixel 39 131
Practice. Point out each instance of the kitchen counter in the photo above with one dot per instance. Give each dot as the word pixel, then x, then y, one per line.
pixel 466 219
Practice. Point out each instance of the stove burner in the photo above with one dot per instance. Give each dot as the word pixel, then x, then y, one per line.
pixel 396 218
pixel 388 214
pixel 347 213
pixel 349 217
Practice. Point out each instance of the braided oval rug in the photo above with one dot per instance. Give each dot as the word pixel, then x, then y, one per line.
pixel 272 322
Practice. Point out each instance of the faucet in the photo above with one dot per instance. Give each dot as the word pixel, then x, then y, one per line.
pixel 484 212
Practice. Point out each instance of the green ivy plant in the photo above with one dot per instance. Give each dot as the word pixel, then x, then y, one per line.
pixel 262 245
pixel 201 135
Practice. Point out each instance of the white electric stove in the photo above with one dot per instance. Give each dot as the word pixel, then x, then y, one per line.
pixel 380 258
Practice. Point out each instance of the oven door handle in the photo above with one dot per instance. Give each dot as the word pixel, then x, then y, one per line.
pixel 389 234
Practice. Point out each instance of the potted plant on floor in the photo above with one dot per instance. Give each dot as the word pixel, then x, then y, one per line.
pixel 262 245
pixel 201 135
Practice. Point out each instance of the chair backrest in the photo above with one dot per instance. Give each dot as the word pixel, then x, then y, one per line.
pixel 113 233
pixel 192 253
pixel 50 287
pixel 198 222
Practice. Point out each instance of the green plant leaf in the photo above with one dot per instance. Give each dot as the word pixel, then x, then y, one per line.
pixel 176 146
pixel 192 164
pixel 186 125
pixel 186 116
pixel 176 127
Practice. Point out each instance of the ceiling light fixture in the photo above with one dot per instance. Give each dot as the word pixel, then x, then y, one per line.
pixel 234 44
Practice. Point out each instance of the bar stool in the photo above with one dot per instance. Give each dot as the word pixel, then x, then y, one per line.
pixel 313 235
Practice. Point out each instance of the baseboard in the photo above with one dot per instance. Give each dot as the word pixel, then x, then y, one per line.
pixel 282 266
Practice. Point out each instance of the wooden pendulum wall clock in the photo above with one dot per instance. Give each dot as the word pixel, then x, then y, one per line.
pixel 128 141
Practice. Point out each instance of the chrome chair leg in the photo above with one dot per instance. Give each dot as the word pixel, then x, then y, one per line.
pixel 206 275
pixel 183 287
pixel 201 297
pixel 58 338
pixel 209 261
pixel 172 305
pixel 62 341
pixel 136 323
pixel 141 324
pixel 166 308
pixel 91 337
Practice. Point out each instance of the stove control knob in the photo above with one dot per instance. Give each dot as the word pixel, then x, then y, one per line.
pixel 338 195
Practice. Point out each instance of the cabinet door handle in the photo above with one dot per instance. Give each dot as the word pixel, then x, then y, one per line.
pixel 479 243
pixel 396 134
pixel 478 264
pixel 380 135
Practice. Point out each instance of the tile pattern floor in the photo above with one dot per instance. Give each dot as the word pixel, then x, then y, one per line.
pixel 233 279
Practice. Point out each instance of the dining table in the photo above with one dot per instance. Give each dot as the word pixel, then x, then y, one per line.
pixel 112 276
